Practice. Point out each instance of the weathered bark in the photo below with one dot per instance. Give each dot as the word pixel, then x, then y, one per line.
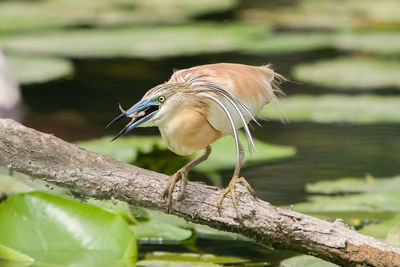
pixel 55 161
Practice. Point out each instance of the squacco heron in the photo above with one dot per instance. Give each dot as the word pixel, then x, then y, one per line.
pixel 201 104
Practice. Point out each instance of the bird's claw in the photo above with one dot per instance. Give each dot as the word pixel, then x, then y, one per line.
pixel 231 188
pixel 173 179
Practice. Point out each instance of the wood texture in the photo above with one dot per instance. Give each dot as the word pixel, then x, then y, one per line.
pixel 85 173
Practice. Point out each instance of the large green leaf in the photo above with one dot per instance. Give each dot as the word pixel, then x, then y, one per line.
pixel 34 69
pixel 143 41
pixel 355 185
pixel 306 260
pixel 19 15
pixel 54 230
pixel 351 73
pixel 337 108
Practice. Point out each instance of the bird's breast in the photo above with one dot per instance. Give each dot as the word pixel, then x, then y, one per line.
pixel 188 131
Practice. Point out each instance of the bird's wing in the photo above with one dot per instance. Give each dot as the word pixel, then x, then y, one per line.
pixel 241 91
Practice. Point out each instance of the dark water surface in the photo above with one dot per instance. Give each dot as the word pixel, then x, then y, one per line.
pixel 79 107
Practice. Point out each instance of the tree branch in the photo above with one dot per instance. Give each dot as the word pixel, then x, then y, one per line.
pixel 53 160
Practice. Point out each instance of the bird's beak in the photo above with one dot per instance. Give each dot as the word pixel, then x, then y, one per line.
pixel 143 111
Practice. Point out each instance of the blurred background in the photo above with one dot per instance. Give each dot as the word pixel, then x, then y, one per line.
pixel 66 65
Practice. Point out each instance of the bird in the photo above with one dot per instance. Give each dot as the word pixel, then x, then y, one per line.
pixel 198 106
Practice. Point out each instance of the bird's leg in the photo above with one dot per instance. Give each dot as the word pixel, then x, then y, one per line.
pixel 235 180
pixel 182 173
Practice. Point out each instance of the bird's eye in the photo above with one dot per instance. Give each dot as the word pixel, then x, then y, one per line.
pixel 161 99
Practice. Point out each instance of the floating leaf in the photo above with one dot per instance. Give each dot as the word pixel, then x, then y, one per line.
pixel 378 42
pixel 374 202
pixel 351 73
pixel 306 260
pixel 157 263
pixel 127 149
pixel 34 69
pixel 355 185
pixel 393 237
pixel 143 41
pixel 331 108
pixel 65 232
pixel 159 231
pixel 192 257
pixel 280 43
pixel 25 16
pixel 223 155
pixel 327 14
pixel 380 230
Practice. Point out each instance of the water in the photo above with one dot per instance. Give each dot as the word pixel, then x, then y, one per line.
pixel 78 108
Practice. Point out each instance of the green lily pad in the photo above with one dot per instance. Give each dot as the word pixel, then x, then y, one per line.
pixel 45 220
pixel 382 43
pixel 127 149
pixel 165 263
pixel 327 14
pixel 160 231
pixel 223 155
pixel 8 253
pixel 351 73
pixel 393 237
pixel 374 202
pixel 331 108
pixel 142 42
pixel 34 69
pixel 281 43
pixel 306 260
pixel 355 185
pixel 192 257
pixel 26 15
pixel 380 230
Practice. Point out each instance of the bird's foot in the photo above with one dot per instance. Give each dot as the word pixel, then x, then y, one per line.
pixel 173 179
pixel 231 189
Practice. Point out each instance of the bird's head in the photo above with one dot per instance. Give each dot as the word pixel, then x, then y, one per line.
pixel 158 104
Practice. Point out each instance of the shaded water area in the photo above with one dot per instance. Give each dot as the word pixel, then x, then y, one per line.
pixel 77 108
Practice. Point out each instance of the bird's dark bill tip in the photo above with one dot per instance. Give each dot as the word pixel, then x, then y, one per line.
pixel 122 115
pixel 119 134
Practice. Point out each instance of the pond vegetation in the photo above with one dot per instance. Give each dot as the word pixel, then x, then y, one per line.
pixel 343 106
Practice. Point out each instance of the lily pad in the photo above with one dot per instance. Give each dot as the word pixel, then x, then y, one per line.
pixel 192 257
pixel 306 260
pixel 374 202
pixel 127 149
pixel 34 69
pixel 359 73
pixel 378 42
pixel 142 42
pixel 368 184
pixel 330 108
pixel 280 43
pixel 26 15
pixel 380 230
pixel 393 238
pixel 42 219
pixel 327 14
pixel 165 263
pixel 223 155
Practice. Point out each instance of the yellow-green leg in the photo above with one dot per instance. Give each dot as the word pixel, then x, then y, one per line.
pixel 231 187
pixel 182 175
